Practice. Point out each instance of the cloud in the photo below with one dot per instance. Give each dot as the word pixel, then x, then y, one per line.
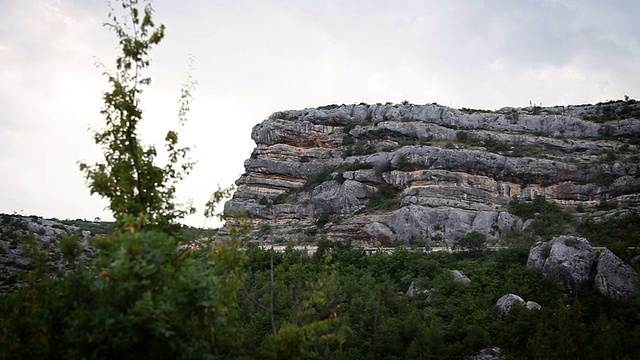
pixel 256 57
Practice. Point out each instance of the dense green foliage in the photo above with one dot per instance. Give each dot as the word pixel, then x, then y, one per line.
pixel 146 293
pixel 366 294
pixel 548 219
pixel 472 241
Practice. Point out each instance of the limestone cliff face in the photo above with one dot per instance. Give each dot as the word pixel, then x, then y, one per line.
pixel 382 174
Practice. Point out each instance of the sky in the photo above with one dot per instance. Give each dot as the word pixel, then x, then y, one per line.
pixel 255 57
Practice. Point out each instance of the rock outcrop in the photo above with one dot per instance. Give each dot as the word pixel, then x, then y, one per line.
pixel 571 257
pixel 614 278
pixel 505 303
pixel 576 262
pixel 46 235
pixel 383 174
pixel 459 276
pixel 494 353
pixel 414 289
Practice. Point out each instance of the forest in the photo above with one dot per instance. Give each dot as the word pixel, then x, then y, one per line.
pixel 152 301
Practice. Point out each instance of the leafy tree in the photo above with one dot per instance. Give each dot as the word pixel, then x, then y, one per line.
pixel 140 192
pixel 150 296
pixel 471 241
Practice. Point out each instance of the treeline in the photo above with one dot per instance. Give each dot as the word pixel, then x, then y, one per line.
pixel 451 320
pixel 335 304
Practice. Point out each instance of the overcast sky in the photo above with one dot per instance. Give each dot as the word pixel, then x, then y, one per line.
pixel 253 58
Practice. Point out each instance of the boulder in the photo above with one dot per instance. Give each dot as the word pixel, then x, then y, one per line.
pixel 415 289
pixel 570 257
pixel 614 278
pixel 574 260
pixel 505 303
pixel 381 233
pixel 532 305
pixel 494 353
pixel 458 276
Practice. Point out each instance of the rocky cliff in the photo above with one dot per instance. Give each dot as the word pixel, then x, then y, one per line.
pixel 403 173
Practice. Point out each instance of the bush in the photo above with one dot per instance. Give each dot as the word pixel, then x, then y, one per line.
pixel 318 178
pixel 403 163
pixel 384 199
pixel 548 219
pixel 605 205
pixel 471 241
pixel 323 219
pixel 527 209
pixel 462 136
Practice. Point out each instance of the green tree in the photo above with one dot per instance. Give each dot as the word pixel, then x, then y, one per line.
pixel 151 296
pixel 140 192
pixel 471 241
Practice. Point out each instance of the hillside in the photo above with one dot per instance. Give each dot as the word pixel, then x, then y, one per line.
pixel 430 174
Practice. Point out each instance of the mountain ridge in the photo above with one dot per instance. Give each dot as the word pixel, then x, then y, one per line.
pixel 404 173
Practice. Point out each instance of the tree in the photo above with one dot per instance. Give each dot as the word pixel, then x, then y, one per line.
pixel 155 298
pixel 140 192
pixel 471 241
pixel 150 295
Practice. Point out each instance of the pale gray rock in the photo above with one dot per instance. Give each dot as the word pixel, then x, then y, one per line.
pixel 532 305
pixel 460 277
pixel 626 127
pixel 288 168
pixel 364 176
pixel 478 162
pixel 614 278
pixel 454 171
pixel 412 222
pixel 345 198
pixel 412 129
pixel 494 353
pixel 46 234
pixel 381 233
pixel 415 290
pixel 505 303
pixel 571 257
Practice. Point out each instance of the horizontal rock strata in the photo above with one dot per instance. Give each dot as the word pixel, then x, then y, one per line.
pixel 382 174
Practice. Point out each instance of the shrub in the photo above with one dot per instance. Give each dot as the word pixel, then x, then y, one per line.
pixel 548 218
pixel 403 162
pixel 545 251
pixel 605 205
pixel 384 199
pixel 324 218
pixel 471 241
pixel 347 140
pixel 462 136
pixel 527 209
pixel 356 165
pixel 281 199
pixel 318 178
